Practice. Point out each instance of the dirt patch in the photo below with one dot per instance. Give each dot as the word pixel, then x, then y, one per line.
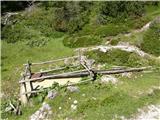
pixel 49 82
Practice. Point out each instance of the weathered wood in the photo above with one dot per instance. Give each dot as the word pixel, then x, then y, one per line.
pixel 52 61
pixel 61 68
pixel 52 76
pixel 85 73
pixel 23 89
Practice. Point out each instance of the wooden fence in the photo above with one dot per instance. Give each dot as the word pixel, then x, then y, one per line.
pixel 28 77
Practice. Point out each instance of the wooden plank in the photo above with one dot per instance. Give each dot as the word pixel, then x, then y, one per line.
pixel 85 73
pixel 51 61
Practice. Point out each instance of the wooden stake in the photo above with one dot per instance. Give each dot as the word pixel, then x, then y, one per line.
pixel 23 89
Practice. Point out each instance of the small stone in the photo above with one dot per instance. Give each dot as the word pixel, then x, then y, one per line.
pixel 73 88
pixel 46 107
pixel 60 108
pixel 52 94
pixel 108 79
pixel 126 74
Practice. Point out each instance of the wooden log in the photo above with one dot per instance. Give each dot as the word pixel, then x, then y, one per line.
pixel 53 76
pixel 51 61
pixel 85 73
pixel 61 68
pixel 23 89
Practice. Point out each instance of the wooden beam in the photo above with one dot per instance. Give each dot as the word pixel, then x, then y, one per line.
pixel 85 73
pixel 51 61
pixel 61 68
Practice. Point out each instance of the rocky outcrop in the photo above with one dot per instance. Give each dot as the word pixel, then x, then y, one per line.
pixel 43 113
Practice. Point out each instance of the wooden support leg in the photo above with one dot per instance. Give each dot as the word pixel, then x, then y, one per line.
pixel 23 97
pixel 23 89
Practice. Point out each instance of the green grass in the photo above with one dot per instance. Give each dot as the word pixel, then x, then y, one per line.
pixel 15 55
pixel 82 41
pixel 34 39
pixel 151 41
pixel 110 100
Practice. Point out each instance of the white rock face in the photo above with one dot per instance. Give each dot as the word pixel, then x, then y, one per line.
pixel 122 46
pixel 151 112
pixel 43 113
pixel 108 79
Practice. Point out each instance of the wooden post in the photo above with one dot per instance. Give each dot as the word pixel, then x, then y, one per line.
pixel 79 55
pixel 29 74
pixel 23 89
pixel 84 63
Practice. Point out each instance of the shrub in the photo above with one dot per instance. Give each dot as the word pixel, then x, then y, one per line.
pixel 151 40
pixel 117 57
pixel 120 10
pixel 71 16
pixel 111 57
pixel 136 60
pixel 82 41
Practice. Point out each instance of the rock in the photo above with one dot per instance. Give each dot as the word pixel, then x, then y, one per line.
pixel 103 49
pixel 73 88
pixel 108 78
pixel 52 94
pixel 46 107
pixel 126 74
pixel 43 113
pixel 150 112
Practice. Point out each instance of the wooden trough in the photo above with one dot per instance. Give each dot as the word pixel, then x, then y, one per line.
pixel 28 78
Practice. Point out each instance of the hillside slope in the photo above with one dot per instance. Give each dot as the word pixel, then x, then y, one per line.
pixel 51 30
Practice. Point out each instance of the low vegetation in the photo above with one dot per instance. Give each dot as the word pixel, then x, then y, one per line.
pixel 51 30
pixel 151 40
pixel 103 101
pixel 118 57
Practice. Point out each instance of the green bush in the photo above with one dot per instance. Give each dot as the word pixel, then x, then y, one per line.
pixel 83 41
pixel 151 40
pixel 71 16
pixel 136 60
pixel 31 28
pixel 120 10
pixel 111 30
pixel 117 57
pixel 111 57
